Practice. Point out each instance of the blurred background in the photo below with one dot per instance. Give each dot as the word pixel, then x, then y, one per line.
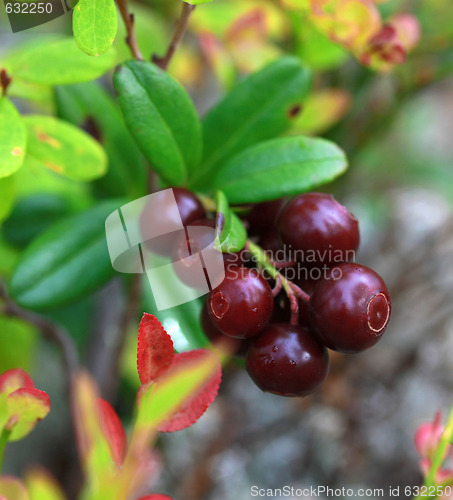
pixel 394 120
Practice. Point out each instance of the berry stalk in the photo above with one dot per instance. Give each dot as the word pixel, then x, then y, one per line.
pixel 292 291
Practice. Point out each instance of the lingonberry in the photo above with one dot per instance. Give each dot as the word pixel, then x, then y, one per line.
pixel 350 308
pixel 263 217
pixel 287 360
pixel 160 217
pixel 319 230
pixel 199 236
pixel 235 346
pixel 241 305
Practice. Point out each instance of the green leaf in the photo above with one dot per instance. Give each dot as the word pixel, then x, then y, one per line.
pixel 56 61
pixel 42 485
pixel 259 108
pixel 89 106
pixel 7 195
pixel 64 148
pixel 33 177
pixel 13 137
pixel 66 262
pixel 95 24
pixel 161 117
pixel 197 2
pixel 230 231
pixel 182 322
pixel 280 167
pixel 17 344
pixel 32 215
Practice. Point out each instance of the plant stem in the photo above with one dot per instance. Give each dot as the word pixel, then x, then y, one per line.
pixel 50 330
pixel 3 442
pixel 181 27
pixel 129 22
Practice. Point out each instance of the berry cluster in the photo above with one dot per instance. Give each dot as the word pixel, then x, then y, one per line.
pixel 285 332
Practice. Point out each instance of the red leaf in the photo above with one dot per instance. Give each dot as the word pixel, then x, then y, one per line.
pixel 113 430
pixel 155 496
pixel 15 379
pixel 197 404
pixel 155 351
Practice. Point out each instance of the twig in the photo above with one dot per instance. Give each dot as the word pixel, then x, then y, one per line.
pixel 129 22
pixel 181 27
pixel 50 330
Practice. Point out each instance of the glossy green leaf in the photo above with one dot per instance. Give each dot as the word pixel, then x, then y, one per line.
pixel 181 322
pixel 66 262
pixel 280 167
pixel 95 24
pixel 13 137
pixel 32 215
pixel 7 195
pixel 31 62
pixel 161 117
pixel 89 106
pixel 64 148
pixel 259 108
pixel 230 231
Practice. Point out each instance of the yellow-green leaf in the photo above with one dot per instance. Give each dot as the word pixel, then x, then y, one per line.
pixel 31 62
pixel 13 137
pixel 64 149
pixel 12 489
pixel 42 486
pixel 7 194
pixel 95 25
pixel 26 407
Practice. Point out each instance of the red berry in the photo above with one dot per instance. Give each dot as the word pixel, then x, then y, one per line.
pixel 319 230
pixel 159 217
pixel 200 235
pixel 263 217
pixel 189 206
pixel 350 309
pixel 241 305
pixel 287 360
pixel 235 346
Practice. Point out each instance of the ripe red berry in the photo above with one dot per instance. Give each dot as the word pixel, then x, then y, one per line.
pixel 241 305
pixel 235 346
pixel 350 309
pixel 262 218
pixel 199 236
pixel 320 229
pixel 160 218
pixel 287 360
